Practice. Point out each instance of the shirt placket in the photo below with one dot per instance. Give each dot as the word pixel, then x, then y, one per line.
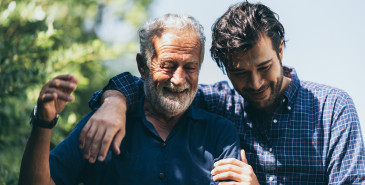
pixel 269 138
pixel 279 124
pixel 266 157
pixel 163 173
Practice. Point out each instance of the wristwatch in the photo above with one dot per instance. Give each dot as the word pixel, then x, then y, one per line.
pixel 34 121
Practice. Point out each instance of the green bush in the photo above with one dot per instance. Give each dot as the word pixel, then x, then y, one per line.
pixel 40 39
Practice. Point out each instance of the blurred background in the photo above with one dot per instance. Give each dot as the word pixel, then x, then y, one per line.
pixel 42 38
pixel 96 39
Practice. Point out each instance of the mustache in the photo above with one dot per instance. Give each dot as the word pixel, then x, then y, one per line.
pixel 253 91
pixel 174 88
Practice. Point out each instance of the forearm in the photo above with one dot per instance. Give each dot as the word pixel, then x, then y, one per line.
pixel 131 87
pixel 35 163
pixel 116 98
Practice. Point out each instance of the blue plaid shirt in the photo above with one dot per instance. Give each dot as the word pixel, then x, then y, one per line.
pixel 314 135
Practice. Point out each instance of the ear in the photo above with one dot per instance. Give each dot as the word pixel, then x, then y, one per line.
pixel 281 47
pixel 141 65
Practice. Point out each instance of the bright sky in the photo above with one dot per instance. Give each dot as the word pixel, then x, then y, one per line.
pixel 326 40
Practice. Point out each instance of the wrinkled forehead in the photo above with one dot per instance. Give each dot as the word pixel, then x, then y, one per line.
pixel 176 33
pixel 178 41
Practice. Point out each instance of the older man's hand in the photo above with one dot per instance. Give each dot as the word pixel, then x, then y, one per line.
pixel 235 171
pixel 106 125
pixel 54 96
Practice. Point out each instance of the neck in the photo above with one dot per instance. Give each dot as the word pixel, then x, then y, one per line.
pixel 269 111
pixel 163 123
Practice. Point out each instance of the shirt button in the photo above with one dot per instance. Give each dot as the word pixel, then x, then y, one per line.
pixel 161 176
pixel 283 100
pixel 163 144
pixel 289 108
pixel 275 120
pixel 271 179
pixel 270 150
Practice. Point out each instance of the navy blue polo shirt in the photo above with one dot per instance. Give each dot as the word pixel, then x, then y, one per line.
pixel 187 156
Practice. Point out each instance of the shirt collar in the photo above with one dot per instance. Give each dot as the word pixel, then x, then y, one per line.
pixel 291 92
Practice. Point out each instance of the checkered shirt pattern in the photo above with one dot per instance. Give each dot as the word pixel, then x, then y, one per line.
pixel 313 137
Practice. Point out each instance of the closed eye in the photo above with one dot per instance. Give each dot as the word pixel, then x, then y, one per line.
pixel 240 74
pixel 167 66
pixel 190 68
pixel 265 68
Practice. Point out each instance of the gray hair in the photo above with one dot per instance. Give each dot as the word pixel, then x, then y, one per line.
pixel 157 26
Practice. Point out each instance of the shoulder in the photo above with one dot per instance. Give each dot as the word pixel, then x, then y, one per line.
pixel 222 86
pixel 218 89
pixel 335 103
pixel 324 92
pixel 83 121
pixel 212 119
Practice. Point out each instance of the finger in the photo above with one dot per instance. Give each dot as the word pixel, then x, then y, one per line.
pixel 227 168
pixel 66 86
pixel 230 176
pixel 245 175
pixel 105 145
pixel 232 161
pixel 67 77
pixel 60 94
pixel 243 156
pixel 95 145
pixel 83 133
pixel 47 97
pixel 117 141
pixel 88 140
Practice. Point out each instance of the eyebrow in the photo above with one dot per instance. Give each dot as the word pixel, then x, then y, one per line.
pixel 264 63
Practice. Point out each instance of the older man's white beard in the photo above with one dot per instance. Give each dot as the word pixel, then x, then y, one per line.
pixel 166 103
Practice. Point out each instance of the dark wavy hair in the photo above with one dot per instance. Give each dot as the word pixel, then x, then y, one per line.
pixel 240 28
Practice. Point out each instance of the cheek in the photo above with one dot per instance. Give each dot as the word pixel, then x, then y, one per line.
pixel 236 82
pixel 193 80
pixel 160 78
pixel 274 74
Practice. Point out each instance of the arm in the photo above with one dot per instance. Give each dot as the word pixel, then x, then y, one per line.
pixel 220 99
pixel 233 169
pixel 108 122
pixel 346 154
pixel 51 101
pixel 217 98
pixel 231 166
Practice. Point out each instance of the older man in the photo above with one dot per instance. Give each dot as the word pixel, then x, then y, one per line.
pixel 293 131
pixel 167 141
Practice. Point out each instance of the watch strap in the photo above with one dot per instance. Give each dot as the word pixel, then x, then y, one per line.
pixel 34 121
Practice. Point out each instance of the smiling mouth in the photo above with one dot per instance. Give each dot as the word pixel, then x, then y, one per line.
pixel 175 91
pixel 258 95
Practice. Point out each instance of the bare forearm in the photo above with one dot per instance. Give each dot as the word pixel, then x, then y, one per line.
pixel 115 97
pixel 35 164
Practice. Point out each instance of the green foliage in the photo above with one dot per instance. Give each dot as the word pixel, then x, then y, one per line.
pixel 40 39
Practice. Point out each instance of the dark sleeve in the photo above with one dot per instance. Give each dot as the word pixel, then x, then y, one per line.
pixel 228 144
pixel 130 86
pixel 66 161
pixel 346 154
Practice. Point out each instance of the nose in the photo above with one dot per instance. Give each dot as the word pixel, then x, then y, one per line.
pixel 256 81
pixel 178 77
